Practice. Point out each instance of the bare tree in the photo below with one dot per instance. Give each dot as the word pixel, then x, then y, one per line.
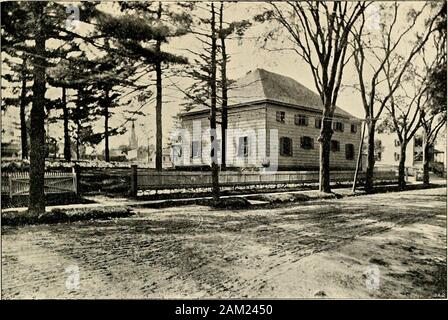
pixel 432 121
pixel 403 110
pixel 320 32
pixel 371 54
pixel 432 106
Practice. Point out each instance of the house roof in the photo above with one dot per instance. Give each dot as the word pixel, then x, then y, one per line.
pixel 261 85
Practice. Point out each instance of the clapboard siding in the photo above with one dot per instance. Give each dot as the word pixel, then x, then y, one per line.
pixel 249 120
pixel 198 133
pixel 310 158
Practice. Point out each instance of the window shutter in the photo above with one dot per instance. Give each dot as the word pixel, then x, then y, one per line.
pixel 290 146
pixel 335 146
pixel 281 146
pixel 285 146
pixel 349 151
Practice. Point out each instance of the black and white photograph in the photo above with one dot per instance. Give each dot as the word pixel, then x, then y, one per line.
pixel 194 150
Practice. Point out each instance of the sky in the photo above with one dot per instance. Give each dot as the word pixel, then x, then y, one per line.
pixel 246 55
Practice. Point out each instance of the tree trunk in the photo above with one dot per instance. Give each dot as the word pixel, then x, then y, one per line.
pixel 78 139
pixel 425 162
pixel 158 117
pixel 324 165
pixel 370 157
pixel 224 91
pixel 67 149
pixel 402 167
pixel 214 162
pixel 106 128
pixel 158 67
pixel 23 129
pixel 78 122
pixel 37 137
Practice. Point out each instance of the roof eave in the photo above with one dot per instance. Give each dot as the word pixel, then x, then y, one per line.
pixel 257 102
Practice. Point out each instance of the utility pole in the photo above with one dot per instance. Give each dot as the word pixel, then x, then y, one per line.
pixel 358 162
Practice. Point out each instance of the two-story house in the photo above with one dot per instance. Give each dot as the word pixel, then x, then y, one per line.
pixel 387 152
pixel 271 117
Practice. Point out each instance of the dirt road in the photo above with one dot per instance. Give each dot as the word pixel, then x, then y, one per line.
pixel 379 246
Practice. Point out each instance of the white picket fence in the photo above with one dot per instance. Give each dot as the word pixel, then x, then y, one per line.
pixel 18 183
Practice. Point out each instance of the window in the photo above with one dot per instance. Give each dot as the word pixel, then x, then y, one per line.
pixel 300 120
pixel 243 147
pixel 418 141
pixel 397 143
pixel 335 146
pixel 396 156
pixel 338 126
pixel 280 116
pixel 377 156
pixel 307 143
pixel 195 149
pixel 354 128
pixel 285 146
pixel 318 123
pixel 378 150
pixel 349 151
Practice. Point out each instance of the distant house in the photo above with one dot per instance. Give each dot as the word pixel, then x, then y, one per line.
pixel 259 102
pixel 118 154
pixel 387 151
pixel 10 150
pixel 10 143
pixel 144 153
pixel 166 158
